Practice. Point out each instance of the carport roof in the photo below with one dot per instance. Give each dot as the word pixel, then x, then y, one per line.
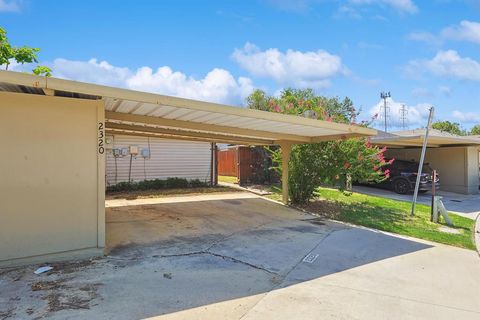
pixel 414 138
pixel 141 113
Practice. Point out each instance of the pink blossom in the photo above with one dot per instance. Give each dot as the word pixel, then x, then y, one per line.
pixel 391 161
pixel 329 119
pixel 346 165
pixel 387 173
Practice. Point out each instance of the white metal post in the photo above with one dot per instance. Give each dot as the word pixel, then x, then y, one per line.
pixel 422 158
pixel 286 150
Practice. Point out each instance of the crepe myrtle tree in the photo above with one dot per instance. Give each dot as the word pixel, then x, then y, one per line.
pixel 450 127
pixel 21 55
pixel 335 163
pixel 475 130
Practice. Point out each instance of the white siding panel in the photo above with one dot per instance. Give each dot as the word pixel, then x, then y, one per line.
pixel 168 158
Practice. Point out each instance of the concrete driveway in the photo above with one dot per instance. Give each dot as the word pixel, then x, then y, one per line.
pixel 467 205
pixel 238 256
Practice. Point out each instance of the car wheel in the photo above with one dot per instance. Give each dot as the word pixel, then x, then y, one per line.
pixel 401 186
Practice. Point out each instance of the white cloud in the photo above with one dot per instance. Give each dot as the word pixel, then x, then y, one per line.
pixel 292 5
pixel 446 64
pixel 218 85
pixel 422 93
pixel 426 37
pixel 416 115
pixel 404 6
pixel 445 90
pixel 9 6
pixel 465 31
pixel 301 69
pixel 91 71
pixel 466 117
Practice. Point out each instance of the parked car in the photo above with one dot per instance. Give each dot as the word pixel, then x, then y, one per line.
pixel 403 176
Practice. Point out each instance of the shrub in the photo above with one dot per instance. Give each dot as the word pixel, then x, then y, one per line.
pixel 176 183
pixel 328 163
pixel 196 183
pixel 156 184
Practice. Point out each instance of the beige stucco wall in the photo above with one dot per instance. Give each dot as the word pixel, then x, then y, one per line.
pixel 51 178
pixel 457 166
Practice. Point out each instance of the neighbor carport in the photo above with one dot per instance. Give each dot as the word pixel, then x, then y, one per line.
pixel 53 168
pixel 456 158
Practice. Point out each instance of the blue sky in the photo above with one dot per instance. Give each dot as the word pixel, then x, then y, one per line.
pixel 424 52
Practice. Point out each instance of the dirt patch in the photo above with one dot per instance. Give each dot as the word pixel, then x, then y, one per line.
pixel 162 193
pixel 13 274
pixel 73 266
pixel 324 208
pixel 48 285
pixel 60 295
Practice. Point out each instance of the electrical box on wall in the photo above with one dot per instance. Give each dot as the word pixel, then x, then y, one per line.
pixel 119 152
pixel 146 153
pixel 133 150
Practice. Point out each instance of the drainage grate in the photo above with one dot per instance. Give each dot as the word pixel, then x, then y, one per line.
pixel 310 258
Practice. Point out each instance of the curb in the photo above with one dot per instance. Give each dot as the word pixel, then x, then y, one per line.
pixel 238 187
pixel 476 234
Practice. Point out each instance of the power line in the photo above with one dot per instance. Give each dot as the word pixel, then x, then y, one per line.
pixel 384 96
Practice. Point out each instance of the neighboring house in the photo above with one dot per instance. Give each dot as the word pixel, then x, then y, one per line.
pixel 138 158
pixel 456 158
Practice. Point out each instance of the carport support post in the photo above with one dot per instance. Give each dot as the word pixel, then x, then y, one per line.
pixel 286 150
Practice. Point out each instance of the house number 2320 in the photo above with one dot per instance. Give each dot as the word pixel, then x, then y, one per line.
pixel 101 135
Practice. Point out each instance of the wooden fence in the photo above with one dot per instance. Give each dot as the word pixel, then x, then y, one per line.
pixel 227 162
pixel 245 163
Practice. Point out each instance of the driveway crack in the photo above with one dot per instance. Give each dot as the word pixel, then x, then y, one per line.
pixel 206 252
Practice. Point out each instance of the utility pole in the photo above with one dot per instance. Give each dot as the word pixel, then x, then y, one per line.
pixel 403 116
pixel 384 96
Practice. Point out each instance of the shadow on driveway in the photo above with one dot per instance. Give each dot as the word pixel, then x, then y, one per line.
pixel 173 257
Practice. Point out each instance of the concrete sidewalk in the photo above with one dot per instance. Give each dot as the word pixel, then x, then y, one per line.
pixel 461 204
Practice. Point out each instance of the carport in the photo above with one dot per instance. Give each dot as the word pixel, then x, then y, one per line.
pixel 53 130
pixel 455 157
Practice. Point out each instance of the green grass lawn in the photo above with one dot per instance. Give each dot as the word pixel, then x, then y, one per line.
pixel 388 215
pixel 228 179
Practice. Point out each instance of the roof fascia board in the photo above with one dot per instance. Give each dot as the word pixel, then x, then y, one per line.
pixel 126 94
